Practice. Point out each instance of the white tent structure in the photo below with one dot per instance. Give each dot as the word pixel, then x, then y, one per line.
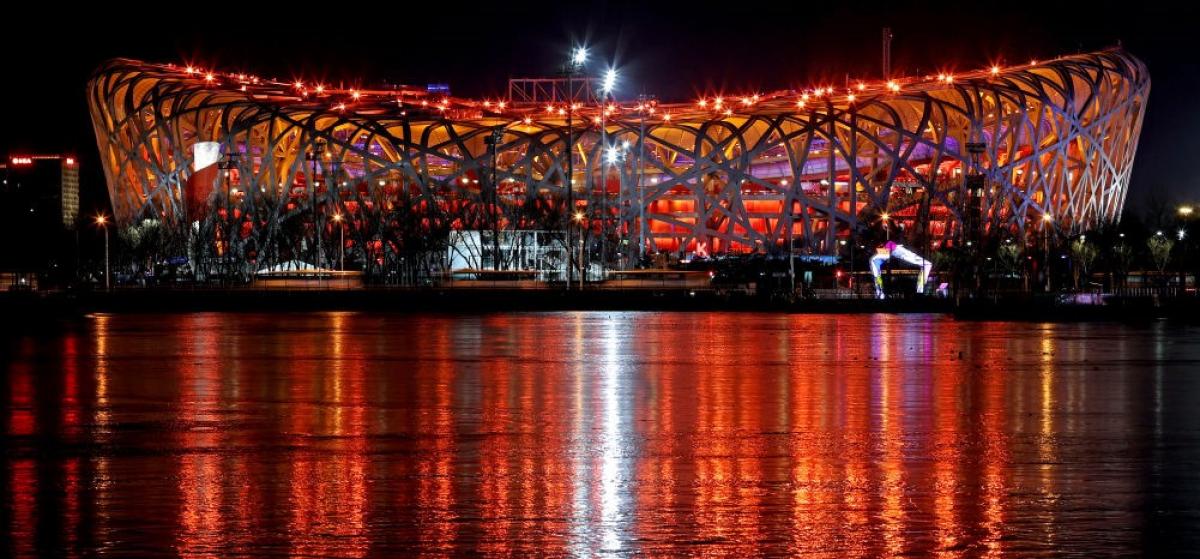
pixel 899 252
pixel 290 267
pixel 298 274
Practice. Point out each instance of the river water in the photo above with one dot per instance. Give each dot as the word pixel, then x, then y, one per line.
pixel 598 434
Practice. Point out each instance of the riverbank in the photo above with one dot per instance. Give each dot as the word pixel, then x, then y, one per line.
pixel 1029 308
pixel 437 300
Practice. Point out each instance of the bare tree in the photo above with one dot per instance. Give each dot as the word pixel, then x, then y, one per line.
pixel 1121 260
pixel 1160 251
pixel 1083 256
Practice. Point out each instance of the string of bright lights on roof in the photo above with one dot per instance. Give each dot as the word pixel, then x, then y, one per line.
pixel 349 98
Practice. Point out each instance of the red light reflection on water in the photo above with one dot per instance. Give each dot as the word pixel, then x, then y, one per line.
pixel 355 435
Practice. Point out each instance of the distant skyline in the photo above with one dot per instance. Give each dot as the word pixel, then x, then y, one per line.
pixel 676 51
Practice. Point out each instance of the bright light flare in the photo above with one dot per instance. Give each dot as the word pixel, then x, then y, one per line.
pixel 610 81
pixel 613 155
pixel 579 56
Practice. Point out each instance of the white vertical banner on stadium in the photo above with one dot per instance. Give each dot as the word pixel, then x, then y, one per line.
pixel 204 172
pixel 205 154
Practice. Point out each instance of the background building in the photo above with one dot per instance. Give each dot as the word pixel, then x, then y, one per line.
pixel 39 215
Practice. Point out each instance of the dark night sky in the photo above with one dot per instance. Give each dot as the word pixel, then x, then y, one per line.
pixel 672 50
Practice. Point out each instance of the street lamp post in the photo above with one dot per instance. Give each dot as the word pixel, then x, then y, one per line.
pixel 331 170
pixel 853 241
pixel 791 245
pixel 313 155
pixel 102 222
pixel 225 165
pixel 578 58
pixel 606 88
pixel 1046 221
pixel 887 236
pixel 641 176
pixel 337 218
pixel 493 141
pixel 850 277
pixel 1185 213
pixel 579 220
pixel 613 156
pixel 928 234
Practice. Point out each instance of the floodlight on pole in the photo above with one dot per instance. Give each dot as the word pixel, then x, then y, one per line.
pixel 579 56
pixel 613 155
pixel 610 81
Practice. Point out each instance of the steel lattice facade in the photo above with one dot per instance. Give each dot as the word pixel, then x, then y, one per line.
pixel 734 174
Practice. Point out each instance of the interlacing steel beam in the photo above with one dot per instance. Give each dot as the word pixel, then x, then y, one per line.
pixel 722 175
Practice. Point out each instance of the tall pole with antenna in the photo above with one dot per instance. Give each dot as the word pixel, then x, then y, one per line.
pixel 887 53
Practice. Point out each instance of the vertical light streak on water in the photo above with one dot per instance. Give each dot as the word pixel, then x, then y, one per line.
pixel 200 480
pixel 22 504
pixel 891 435
pixel 947 471
pixel 23 507
pixel 616 443
pixel 1046 436
pixel 994 460
pixel 101 414
pixel 581 437
pixel 348 521
pixel 1160 354
pixel 101 482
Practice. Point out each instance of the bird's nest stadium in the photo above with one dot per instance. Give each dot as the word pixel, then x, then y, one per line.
pixel 269 171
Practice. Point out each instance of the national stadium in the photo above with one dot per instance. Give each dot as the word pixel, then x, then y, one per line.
pixel 266 172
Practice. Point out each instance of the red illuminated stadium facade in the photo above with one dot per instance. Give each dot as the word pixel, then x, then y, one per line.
pixel 263 167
